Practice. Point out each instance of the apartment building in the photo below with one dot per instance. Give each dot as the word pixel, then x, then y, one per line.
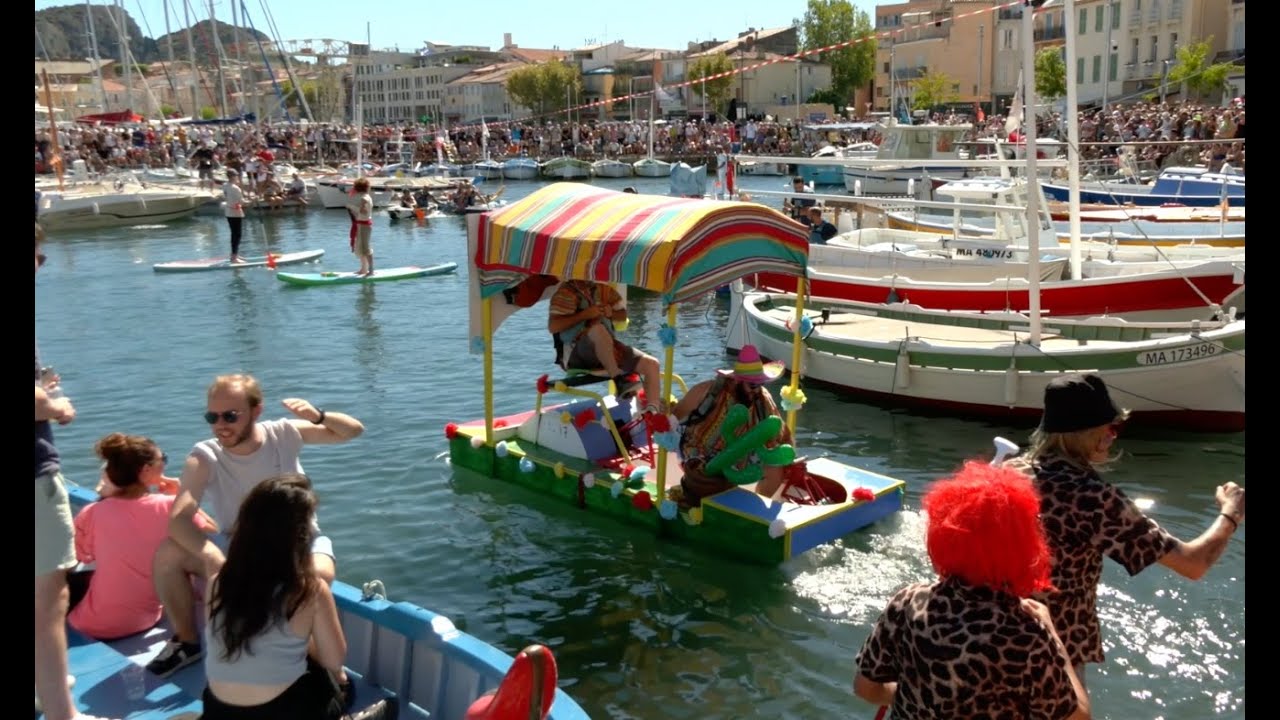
pixel 1100 27
pixel 1155 29
pixel 481 95
pixel 942 36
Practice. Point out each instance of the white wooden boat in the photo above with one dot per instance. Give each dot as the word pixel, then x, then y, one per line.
pixel 521 168
pixel 1185 375
pixel 611 168
pixel 566 168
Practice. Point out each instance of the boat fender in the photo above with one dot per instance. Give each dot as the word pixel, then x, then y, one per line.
pixel 1004 448
pixel 1011 384
pixel 96 209
pixel 902 371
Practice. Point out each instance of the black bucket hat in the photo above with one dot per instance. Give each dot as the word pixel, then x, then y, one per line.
pixel 1077 402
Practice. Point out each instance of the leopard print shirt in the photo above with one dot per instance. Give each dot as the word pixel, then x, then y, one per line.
pixel 958 651
pixel 1084 519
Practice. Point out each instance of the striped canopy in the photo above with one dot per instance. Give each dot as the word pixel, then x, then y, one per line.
pixel 675 246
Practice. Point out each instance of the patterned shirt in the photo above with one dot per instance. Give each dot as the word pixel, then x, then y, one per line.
pixel 958 651
pixel 1084 519
pixel 576 295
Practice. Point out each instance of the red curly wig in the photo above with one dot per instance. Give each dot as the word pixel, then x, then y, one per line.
pixel 984 528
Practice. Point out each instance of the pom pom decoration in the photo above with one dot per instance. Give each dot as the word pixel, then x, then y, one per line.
pixel 635 483
pixel 694 515
pixel 558 470
pixel 658 423
pixel 806 325
pixel 642 501
pixel 667 510
pixel 584 418
pixel 792 399
pixel 565 418
pixel 638 473
pixel 501 449
pixel 667 335
pixel 451 430
pixel 526 465
pixel 616 490
pixel 669 441
pixel 477 442
pixel 544 385
pixel 864 494
pixel 477 345
pixel 589 480
pixel 777 528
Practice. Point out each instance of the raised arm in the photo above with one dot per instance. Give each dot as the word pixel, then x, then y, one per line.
pixel 322 426
pixel 1193 559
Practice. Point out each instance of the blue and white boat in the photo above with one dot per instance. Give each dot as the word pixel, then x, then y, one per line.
pixel 1191 186
pixel 834 174
pixel 414 658
pixel 520 168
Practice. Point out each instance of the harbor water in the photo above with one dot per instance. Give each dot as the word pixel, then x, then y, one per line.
pixel 642 628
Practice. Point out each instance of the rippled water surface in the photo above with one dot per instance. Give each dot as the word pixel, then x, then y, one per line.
pixel 642 628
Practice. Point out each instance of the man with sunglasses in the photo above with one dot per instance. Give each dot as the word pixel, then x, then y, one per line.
pixel 220 472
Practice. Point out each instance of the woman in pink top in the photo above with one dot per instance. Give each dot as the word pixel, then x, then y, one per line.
pixel 120 533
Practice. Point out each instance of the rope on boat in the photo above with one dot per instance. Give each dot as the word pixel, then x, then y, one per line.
pixel 373 590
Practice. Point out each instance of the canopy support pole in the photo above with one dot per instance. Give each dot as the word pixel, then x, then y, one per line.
pixel 797 348
pixel 668 360
pixel 486 313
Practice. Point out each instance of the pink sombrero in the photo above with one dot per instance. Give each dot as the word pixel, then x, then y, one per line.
pixel 749 367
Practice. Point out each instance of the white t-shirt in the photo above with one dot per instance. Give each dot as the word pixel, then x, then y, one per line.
pixel 231 476
pixel 234 199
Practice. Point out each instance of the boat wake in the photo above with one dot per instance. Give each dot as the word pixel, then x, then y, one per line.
pixel 853 578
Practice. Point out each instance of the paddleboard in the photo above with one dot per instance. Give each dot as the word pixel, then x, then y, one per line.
pixel 222 263
pixel 383 275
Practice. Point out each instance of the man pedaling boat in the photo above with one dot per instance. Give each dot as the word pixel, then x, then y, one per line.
pixel 707 426
pixel 583 320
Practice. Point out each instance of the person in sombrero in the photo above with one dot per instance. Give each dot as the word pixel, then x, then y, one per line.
pixel 702 412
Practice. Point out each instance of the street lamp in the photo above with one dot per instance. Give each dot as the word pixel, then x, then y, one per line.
pixel 1164 79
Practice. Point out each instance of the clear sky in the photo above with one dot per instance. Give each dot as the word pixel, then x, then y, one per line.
pixel 666 24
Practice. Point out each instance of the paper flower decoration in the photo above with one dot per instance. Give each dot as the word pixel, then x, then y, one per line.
pixel 589 480
pixel 584 418
pixel 792 399
pixel 558 470
pixel 694 516
pixel 658 423
pixel 526 465
pixel 477 442
pixel 806 325
pixel 667 510
pixel 451 430
pixel 616 490
pixel 669 441
pixel 638 473
pixel 543 385
pixel 667 335
pixel 777 528
pixel 501 449
pixel 864 494
pixel 642 501
pixel 566 418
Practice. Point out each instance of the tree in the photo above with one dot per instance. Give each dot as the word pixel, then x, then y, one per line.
pixel 718 90
pixel 1193 68
pixel 1051 74
pixel 542 87
pixel 931 90
pixel 828 22
pixel 208 112
pixel 310 91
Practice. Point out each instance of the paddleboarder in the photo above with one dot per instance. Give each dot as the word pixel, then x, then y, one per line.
pixel 361 210
pixel 233 203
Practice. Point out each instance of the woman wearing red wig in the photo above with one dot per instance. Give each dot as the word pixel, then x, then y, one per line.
pixel 1086 518
pixel 972 644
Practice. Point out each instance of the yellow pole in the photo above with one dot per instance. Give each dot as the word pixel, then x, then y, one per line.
pixel 668 360
pixel 486 319
pixel 797 347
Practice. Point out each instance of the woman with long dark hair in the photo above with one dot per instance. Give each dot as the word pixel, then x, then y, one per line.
pixel 265 605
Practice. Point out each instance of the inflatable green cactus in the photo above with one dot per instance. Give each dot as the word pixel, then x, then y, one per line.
pixel 737 448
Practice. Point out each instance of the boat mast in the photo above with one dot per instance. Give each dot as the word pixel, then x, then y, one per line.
pixel 191 59
pixel 1073 143
pixel 97 62
pixel 168 36
pixel 652 80
pixel 54 148
pixel 217 58
pixel 122 32
pixel 1033 194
